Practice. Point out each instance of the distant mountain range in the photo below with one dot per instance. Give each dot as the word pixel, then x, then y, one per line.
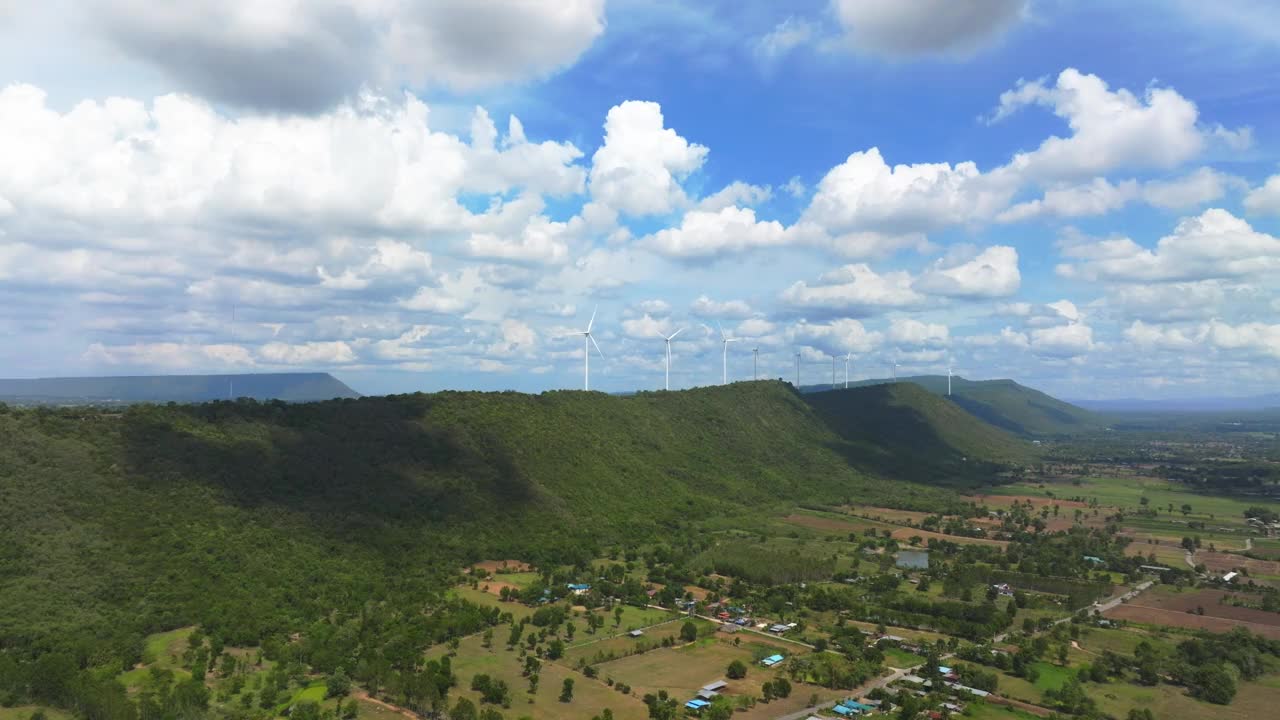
pixel 1002 403
pixel 289 387
pixel 1202 404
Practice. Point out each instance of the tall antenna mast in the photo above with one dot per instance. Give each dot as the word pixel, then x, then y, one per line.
pixel 755 363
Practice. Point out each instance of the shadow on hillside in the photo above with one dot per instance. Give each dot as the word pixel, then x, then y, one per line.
pixel 882 436
pixel 344 463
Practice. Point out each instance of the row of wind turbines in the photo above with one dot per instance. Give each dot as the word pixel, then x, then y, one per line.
pixel 589 341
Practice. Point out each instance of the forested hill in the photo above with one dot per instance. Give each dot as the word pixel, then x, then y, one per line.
pixel 290 387
pixel 1002 403
pixel 902 430
pixel 254 519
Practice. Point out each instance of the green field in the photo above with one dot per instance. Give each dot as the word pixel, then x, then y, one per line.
pixel 160 650
pixel 1127 493
pixel 681 671
pixel 603 648
pixel 1253 701
pixel 590 696
pixel 895 657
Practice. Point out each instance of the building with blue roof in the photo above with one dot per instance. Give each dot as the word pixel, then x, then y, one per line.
pixel 697 705
pixel 771 660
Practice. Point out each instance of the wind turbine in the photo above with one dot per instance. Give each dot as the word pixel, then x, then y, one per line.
pixel 724 359
pixel 833 371
pixel 948 379
pixel 587 342
pixel 669 338
pixel 755 363
pixel 895 371
pixel 847 358
pixel 797 369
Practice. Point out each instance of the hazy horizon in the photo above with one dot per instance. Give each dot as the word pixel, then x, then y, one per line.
pixel 1082 197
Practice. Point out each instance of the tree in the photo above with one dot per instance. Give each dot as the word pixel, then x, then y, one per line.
pixel 1140 714
pixel 661 706
pixel 617 616
pixel 782 687
pixel 486 640
pixel 721 708
pixel 338 684
pixel 305 711
pixel 1214 683
pixel 736 670
pixel 463 710
pixel 566 692
pixel 555 649
pixel 533 684
pixel 688 631
pixel 1186 509
pixel 514 638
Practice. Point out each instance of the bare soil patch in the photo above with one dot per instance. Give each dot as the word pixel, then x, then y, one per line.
pixel 1182 619
pixel 1222 562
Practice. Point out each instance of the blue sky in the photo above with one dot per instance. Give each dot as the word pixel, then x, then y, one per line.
pixel 1083 196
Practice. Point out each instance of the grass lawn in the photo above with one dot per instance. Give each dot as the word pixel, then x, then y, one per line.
pixel 160 650
pixel 682 671
pixel 1052 676
pixel 633 618
pixel 164 649
pixel 589 696
pixel 1252 701
pixel 899 658
pixel 1126 493
pixel 603 648
pixel 314 692
pixel 481 597
pixel 1097 640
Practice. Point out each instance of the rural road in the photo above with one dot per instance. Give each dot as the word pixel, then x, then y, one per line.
pixel 1135 592
pixel 1099 608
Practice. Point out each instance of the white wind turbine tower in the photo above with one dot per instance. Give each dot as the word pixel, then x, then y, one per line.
pixel 668 339
pixel 755 363
pixel 587 341
pixel 724 355
pixel 847 358
pixel 948 379
pixel 797 369
pixel 833 371
pixel 895 371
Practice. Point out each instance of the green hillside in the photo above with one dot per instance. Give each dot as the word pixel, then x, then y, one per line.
pixel 902 430
pixel 253 519
pixel 1002 403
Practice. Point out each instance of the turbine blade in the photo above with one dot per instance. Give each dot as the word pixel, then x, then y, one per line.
pixel 593 318
pixel 721 328
pixel 674 334
pixel 593 342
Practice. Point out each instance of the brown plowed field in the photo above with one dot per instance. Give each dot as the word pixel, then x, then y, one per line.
pixel 1222 562
pixel 1173 618
pixel 1162 608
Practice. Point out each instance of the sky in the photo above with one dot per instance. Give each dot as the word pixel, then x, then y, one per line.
pixel 432 194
